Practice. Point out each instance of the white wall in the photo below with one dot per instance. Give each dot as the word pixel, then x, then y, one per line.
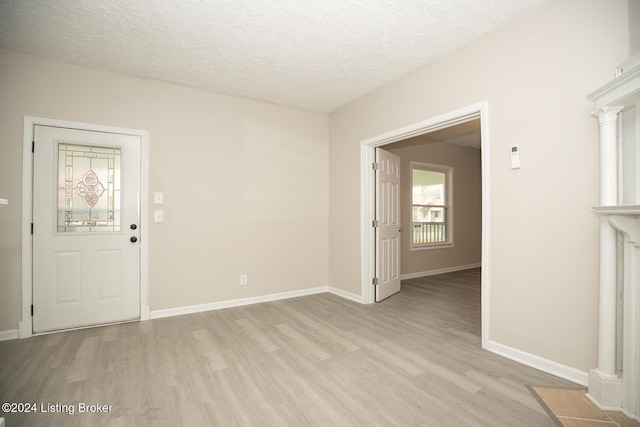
pixel 535 74
pixel 467 204
pixel 245 183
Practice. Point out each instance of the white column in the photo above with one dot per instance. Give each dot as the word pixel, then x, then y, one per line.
pixel 608 119
pixel 604 384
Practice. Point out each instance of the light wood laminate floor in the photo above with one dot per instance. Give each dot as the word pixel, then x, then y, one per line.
pixel 319 360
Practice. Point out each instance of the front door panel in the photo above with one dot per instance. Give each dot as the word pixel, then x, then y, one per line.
pixel 86 255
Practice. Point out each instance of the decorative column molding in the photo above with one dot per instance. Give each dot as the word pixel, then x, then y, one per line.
pixel 608 120
pixel 607 114
pixel 604 384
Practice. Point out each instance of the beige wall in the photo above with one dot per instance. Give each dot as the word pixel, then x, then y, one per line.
pixel 245 183
pixel 467 204
pixel 634 27
pixel 543 240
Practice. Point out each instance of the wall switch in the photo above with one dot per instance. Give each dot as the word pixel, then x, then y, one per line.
pixel 158 216
pixel 158 198
pixel 515 157
pixel 243 280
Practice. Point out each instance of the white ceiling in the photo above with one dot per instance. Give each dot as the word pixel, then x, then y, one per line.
pixel 467 134
pixel 316 55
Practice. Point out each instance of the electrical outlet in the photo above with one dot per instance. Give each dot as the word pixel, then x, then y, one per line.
pixel 243 280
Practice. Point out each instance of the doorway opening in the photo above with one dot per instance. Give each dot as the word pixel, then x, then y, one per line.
pixel 477 112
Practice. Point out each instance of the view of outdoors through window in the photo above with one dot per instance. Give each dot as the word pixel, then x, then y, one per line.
pixel 429 206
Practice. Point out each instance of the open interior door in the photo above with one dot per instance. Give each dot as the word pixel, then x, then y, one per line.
pixel 388 230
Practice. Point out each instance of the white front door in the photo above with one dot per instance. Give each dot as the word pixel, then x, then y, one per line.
pixel 389 230
pixel 86 218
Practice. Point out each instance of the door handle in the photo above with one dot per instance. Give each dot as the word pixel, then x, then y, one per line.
pixel 133 239
pixel 400 229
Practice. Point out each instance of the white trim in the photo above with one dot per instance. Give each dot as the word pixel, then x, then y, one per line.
pixel 9 335
pixel 367 233
pixel 367 239
pixel 144 226
pixel 199 308
pixel 430 246
pixel 607 408
pixel 626 414
pixel 25 326
pixel 344 294
pixel 540 363
pixel 25 329
pixel 439 271
pixel 486 264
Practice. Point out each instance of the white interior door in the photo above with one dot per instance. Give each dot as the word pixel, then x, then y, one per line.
pixel 86 217
pixel 388 231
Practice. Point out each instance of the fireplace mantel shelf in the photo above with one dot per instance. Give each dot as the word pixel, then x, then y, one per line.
pixel 618 210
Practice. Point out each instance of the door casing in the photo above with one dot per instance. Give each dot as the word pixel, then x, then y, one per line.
pixel 25 327
pixel 367 197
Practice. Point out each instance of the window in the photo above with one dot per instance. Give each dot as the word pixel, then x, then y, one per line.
pixel 431 206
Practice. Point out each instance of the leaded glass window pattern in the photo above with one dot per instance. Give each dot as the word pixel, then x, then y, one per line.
pixel 88 188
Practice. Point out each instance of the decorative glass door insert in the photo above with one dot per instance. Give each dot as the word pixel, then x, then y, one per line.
pixel 88 188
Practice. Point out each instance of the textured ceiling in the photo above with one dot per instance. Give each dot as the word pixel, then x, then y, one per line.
pixel 316 55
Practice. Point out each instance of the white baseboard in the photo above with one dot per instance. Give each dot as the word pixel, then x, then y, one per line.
pixel 25 329
pixel 631 416
pixel 145 313
pixel 177 311
pixel 345 294
pixel 9 335
pixel 540 363
pixel 439 271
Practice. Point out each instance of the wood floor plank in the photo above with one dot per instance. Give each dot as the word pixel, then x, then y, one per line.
pixel 413 360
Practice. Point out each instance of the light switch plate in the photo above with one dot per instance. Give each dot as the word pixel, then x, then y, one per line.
pixel 158 198
pixel 515 157
pixel 158 216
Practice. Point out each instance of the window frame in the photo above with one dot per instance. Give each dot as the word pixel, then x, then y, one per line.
pixel 448 191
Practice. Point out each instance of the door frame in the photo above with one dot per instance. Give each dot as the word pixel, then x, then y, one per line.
pixel 25 326
pixel 367 197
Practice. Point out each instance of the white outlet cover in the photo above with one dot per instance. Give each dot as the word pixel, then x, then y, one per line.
pixel 158 216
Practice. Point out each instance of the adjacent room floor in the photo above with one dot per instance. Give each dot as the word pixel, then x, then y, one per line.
pixel 321 360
